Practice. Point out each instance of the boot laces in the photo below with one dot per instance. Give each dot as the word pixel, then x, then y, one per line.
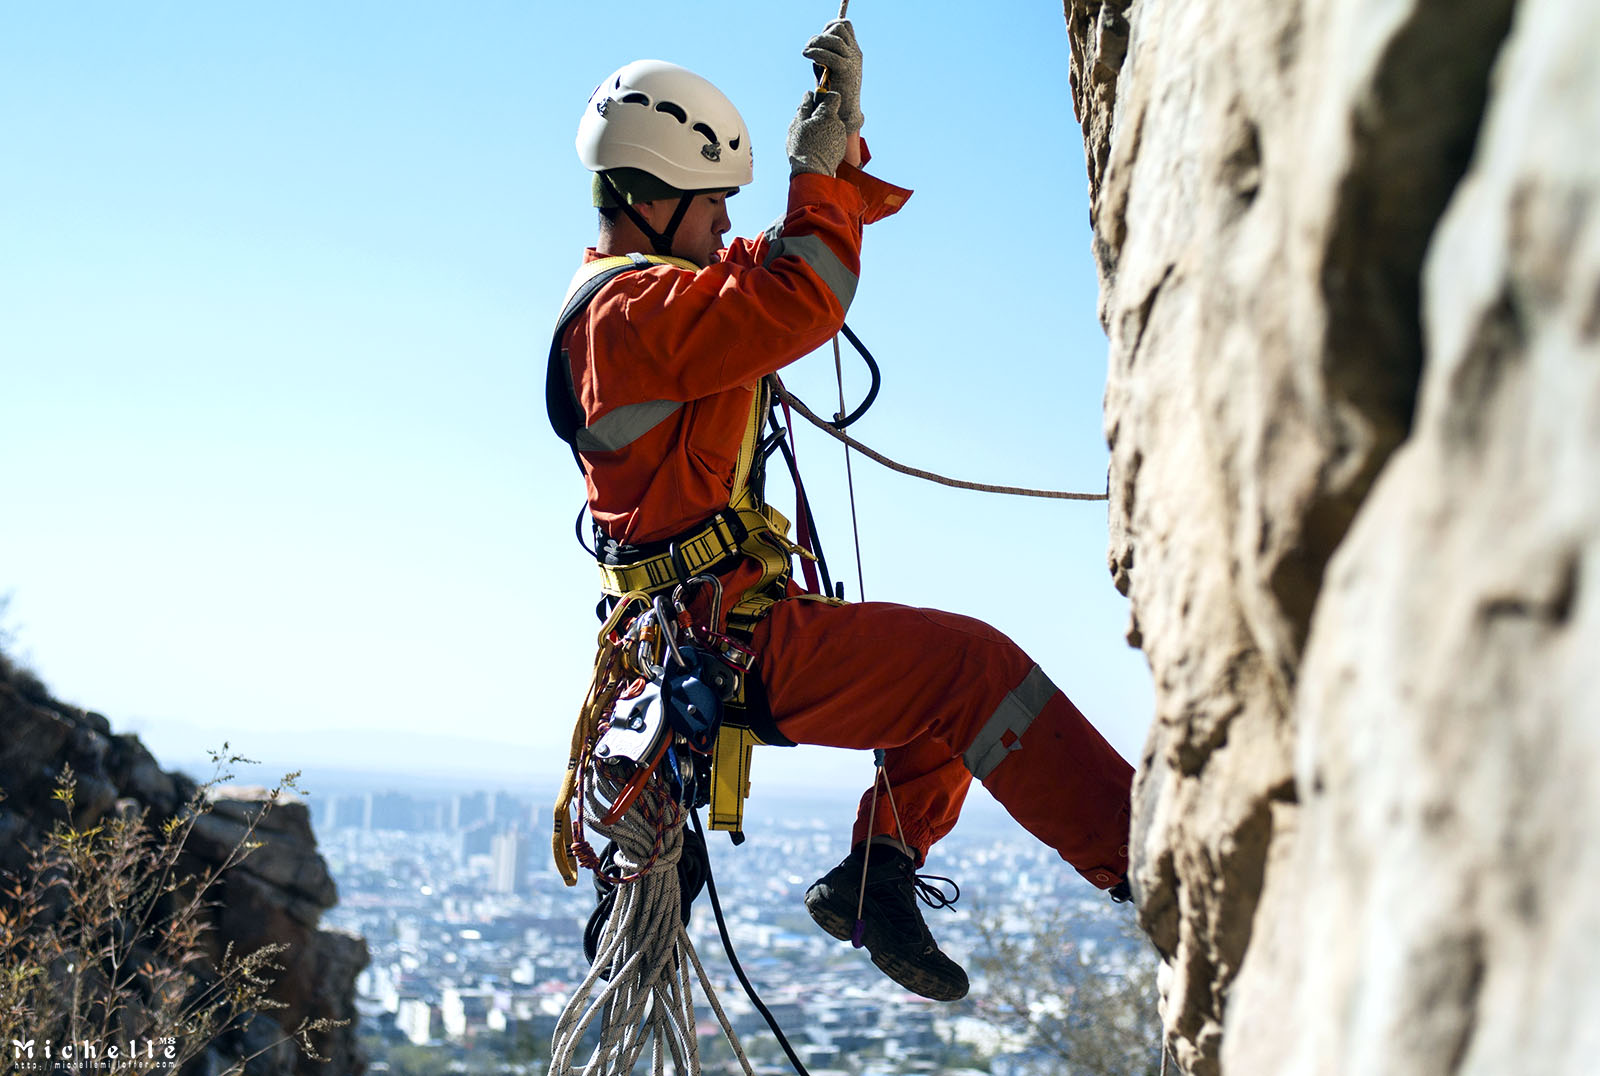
pixel 932 895
pixel 896 900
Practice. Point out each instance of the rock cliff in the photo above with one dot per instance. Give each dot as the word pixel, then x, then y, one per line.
pixel 1350 271
pixel 275 895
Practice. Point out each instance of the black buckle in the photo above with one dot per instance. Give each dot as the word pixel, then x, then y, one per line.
pixel 727 517
pixel 735 525
pixel 678 564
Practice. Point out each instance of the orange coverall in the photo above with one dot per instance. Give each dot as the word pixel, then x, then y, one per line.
pixel 947 696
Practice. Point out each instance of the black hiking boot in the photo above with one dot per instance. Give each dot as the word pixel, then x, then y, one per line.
pixel 893 930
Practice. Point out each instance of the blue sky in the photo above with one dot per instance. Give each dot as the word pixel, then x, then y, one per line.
pixel 275 289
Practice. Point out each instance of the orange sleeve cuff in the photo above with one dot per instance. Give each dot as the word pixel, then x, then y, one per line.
pixel 882 199
pixel 809 188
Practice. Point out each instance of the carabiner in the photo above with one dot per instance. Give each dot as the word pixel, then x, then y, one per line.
pixel 681 605
pixel 669 627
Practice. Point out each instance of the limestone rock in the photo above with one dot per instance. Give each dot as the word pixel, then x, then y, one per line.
pixel 1359 776
pixel 1447 705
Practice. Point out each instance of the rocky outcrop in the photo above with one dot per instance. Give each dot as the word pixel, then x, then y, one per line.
pixel 275 895
pixel 1350 266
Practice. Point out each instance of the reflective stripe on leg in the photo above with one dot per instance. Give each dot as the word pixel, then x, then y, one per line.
pixel 1002 733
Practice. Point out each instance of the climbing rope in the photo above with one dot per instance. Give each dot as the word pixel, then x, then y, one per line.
pixel 916 472
pixel 644 955
pixel 646 878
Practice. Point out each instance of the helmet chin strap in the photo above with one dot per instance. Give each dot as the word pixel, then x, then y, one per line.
pixel 661 242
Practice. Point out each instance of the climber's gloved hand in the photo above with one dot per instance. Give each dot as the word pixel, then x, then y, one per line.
pixel 816 137
pixel 836 52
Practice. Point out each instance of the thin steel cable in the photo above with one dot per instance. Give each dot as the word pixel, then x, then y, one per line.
pixel 849 475
pixel 916 472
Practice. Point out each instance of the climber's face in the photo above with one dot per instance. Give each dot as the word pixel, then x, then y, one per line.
pixel 699 234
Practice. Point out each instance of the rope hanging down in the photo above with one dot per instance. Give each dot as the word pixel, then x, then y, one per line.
pixel 840 421
pixel 644 953
pixel 916 472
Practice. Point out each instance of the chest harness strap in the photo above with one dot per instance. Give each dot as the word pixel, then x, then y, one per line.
pixel 747 528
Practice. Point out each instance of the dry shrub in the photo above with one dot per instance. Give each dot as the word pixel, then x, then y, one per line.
pixel 105 943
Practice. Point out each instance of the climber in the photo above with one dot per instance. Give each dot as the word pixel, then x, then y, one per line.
pixel 658 381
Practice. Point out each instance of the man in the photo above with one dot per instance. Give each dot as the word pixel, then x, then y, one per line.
pixel 661 372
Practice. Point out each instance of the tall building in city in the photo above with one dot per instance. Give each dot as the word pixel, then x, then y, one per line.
pixel 509 850
pixel 346 811
pixel 431 814
pixel 504 808
pixel 417 1020
pixel 510 810
pixel 467 808
pixel 390 810
pixel 475 840
pixel 462 1011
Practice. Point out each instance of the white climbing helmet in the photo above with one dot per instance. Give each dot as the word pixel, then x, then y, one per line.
pixel 668 121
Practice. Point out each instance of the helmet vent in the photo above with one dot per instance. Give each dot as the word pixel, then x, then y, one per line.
pixel 635 98
pixel 733 143
pixel 673 110
pixel 711 136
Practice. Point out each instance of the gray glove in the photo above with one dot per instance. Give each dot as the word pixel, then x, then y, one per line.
pixel 816 137
pixel 836 52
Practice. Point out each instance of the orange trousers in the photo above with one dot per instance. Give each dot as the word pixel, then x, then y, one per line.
pixel 948 698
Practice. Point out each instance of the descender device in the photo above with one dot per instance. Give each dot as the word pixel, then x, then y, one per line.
pixel 667 720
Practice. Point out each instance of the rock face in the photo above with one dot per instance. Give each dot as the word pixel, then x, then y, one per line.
pixel 1350 267
pixel 276 894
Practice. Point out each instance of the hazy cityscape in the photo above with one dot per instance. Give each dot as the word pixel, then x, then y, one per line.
pixel 476 944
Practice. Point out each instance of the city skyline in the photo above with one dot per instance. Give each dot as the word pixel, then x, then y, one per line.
pixel 466 969
pixel 478 765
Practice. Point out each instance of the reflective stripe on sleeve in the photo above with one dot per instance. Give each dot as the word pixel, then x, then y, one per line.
pixel 621 427
pixel 1002 733
pixel 823 261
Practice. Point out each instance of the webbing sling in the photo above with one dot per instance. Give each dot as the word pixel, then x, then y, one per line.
pixel 746 528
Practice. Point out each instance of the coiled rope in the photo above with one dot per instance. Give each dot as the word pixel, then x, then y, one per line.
pixel 644 955
pixel 916 472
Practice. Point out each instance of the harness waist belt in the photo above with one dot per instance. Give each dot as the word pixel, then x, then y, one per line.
pixel 719 541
